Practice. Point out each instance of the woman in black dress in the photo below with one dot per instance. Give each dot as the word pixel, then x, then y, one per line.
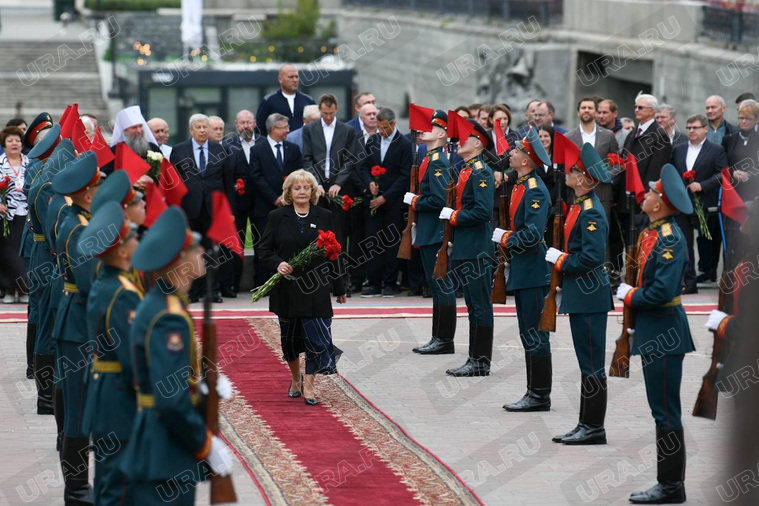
pixel 302 300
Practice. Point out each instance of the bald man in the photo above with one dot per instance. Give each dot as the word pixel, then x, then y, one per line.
pixel 160 130
pixel 287 100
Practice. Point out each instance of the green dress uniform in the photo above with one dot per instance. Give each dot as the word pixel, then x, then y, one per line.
pixel 70 328
pixel 25 252
pixel 662 335
pixel 587 298
pixel 472 256
pixel 529 277
pixel 111 398
pixel 169 438
pixel 434 174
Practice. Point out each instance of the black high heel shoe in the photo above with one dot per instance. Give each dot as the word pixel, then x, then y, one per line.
pixel 294 395
pixel 311 402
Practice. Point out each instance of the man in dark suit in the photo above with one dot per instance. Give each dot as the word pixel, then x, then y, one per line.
pixel 237 147
pixel 666 117
pixel 271 161
pixel 601 139
pixel 393 151
pixel 544 114
pixel 707 160
pixel 203 166
pixel 329 148
pixel 362 99
pixel 287 100
pixel 650 146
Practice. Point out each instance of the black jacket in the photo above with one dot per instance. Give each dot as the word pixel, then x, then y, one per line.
pixel 708 166
pixel 276 102
pixel 308 295
pixel 217 176
pixel 395 183
pixel 265 175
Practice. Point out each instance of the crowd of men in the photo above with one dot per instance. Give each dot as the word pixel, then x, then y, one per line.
pixel 482 201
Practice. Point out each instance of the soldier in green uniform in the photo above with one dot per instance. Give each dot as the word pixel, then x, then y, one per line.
pixel 472 253
pixel 529 273
pixel 434 173
pixel 79 181
pixel 661 334
pixel 169 439
pixel 111 307
pixel 42 265
pixel 586 292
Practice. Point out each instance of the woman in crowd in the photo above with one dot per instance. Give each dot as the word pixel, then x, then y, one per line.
pixel 13 212
pixel 463 111
pixel 302 299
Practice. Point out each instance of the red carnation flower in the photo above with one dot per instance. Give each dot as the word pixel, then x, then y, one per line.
pixel 689 176
pixel 240 187
pixel 378 171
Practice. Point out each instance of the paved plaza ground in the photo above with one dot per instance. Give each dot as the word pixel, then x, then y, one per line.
pixel 507 458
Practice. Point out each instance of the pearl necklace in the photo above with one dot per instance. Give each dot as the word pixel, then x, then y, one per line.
pixel 302 215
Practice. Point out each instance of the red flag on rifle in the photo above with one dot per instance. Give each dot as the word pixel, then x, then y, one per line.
pixel 101 149
pixel 458 128
pixel 501 144
pixel 564 152
pixel 732 204
pixel 420 118
pixel 223 230
pixel 172 184
pixel 155 203
pixel 131 162
pixel 633 184
pixel 65 114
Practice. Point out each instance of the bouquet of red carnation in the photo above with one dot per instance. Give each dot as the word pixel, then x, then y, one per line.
pixel 325 245
pixel 690 177
pixel 344 201
pixel 615 159
pixel 240 187
pixel 377 173
pixel 5 186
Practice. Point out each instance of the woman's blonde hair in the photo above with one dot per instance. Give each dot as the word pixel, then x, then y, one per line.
pixel 304 177
pixel 749 107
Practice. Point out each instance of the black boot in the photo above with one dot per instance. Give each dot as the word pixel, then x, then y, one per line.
pixel 591 429
pixel 58 412
pixel 474 366
pixel 31 338
pixel 538 396
pixel 560 438
pixel 75 463
pixel 44 370
pixel 443 331
pixel 670 489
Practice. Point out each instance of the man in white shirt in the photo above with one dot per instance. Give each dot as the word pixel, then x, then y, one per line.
pixel 287 101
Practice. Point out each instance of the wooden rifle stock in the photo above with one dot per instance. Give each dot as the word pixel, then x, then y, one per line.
pixel 498 294
pixel 222 488
pixel 706 402
pixel 441 264
pixel 620 362
pixel 404 251
pixel 548 318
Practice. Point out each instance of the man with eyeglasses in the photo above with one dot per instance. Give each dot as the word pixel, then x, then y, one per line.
pixel 707 159
pixel 650 146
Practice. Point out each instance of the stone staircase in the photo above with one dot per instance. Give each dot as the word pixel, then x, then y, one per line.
pixel 27 88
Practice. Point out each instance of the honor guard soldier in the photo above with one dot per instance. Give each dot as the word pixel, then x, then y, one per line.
pixel 529 277
pixel 586 293
pixel 79 181
pixel 118 188
pixel 661 335
pixel 434 173
pixel 472 253
pixel 169 438
pixel 42 264
pixel 111 307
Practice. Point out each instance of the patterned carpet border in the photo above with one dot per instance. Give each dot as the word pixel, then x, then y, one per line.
pixel 423 473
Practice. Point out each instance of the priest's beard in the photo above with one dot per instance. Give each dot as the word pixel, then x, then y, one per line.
pixel 139 145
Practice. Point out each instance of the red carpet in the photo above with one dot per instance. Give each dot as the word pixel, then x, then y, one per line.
pixel 343 451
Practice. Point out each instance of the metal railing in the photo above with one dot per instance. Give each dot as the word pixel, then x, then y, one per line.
pixel 730 25
pixel 545 11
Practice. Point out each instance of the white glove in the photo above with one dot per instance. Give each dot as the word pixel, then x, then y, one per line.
pixel 506 272
pixel 223 387
pixel 408 198
pixel 498 235
pixel 622 291
pixel 553 254
pixel 445 213
pixel 450 248
pixel 631 332
pixel 558 296
pixel 715 318
pixel 220 459
pixel 413 233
